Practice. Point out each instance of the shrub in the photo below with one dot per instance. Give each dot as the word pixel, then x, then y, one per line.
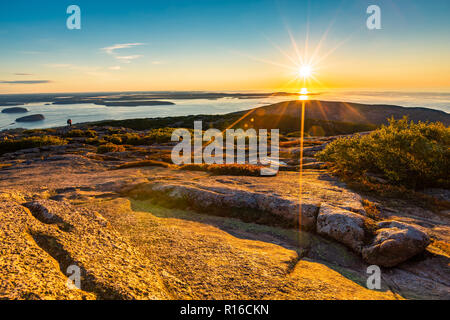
pixel 160 135
pixel 153 136
pixel 37 132
pixel 144 163
pixel 77 133
pixel 235 169
pixel 412 155
pixel 115 130
pixel 90 133
pixel 115 138
pixel 195 167
pixel 110 147
pixel 29 142
pixel 131 138
pixel 95 141
pixel 225 169
pixel 372 210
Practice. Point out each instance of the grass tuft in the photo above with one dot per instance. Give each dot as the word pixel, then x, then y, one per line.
pixel 110 147
pixel 372 210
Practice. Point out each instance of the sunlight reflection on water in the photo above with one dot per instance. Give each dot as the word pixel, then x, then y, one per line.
pixel 57 115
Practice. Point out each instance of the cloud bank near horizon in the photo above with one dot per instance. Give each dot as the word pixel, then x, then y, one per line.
pixel 25 81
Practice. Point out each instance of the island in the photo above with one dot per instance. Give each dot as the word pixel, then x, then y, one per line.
pixel 31 118
pixel 15 110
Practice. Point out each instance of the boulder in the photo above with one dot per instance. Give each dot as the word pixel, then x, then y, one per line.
pixel 341 225
pixel 210 198
pixel 31 118
pixel 15 110
pixel 394 243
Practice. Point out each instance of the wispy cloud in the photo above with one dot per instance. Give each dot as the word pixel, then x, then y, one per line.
pixel 23 74
pixel 123 59
pixel 111 49
pixel 25 82
pixel 128 59
pixel 114 68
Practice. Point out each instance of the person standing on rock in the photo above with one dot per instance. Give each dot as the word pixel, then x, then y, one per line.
pixel 69 122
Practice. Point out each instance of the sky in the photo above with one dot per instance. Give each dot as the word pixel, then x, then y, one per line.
pixel 229 45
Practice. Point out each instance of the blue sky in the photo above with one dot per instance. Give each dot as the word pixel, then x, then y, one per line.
pixel 213 45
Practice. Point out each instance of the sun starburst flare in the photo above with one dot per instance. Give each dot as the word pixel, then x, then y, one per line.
pixel 305 71
pixel 304 66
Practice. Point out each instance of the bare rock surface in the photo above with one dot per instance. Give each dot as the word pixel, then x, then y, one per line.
pixel 395 242
pixel 223 258
pixel 44 238
pixel 148 238
pixel 342 225
pixel 23 264
pixel 277 196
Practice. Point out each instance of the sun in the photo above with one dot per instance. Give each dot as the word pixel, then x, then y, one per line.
pixel 305 71
pixel 303 94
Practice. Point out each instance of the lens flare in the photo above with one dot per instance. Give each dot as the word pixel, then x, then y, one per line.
pixel 305 71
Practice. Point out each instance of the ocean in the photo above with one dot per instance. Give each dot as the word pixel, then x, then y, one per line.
pixel 57 115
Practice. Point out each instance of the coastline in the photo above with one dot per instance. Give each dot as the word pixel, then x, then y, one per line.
pixel 325 111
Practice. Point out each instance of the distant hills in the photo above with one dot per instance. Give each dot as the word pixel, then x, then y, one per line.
pixel 101 97
pixel 315 109
pixel 322 118
pixel 352 112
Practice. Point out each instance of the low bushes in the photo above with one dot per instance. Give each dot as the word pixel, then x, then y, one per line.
pixel 144 163
pixel 372 211
pixel 110 147
pixel 10 145
pixel 225 169
pixel 95 141
pixel 153 136
pixel 37 132
pixel 77 133
pixel 406 154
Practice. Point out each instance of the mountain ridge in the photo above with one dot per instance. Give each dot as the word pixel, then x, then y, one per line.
pixel 353 112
